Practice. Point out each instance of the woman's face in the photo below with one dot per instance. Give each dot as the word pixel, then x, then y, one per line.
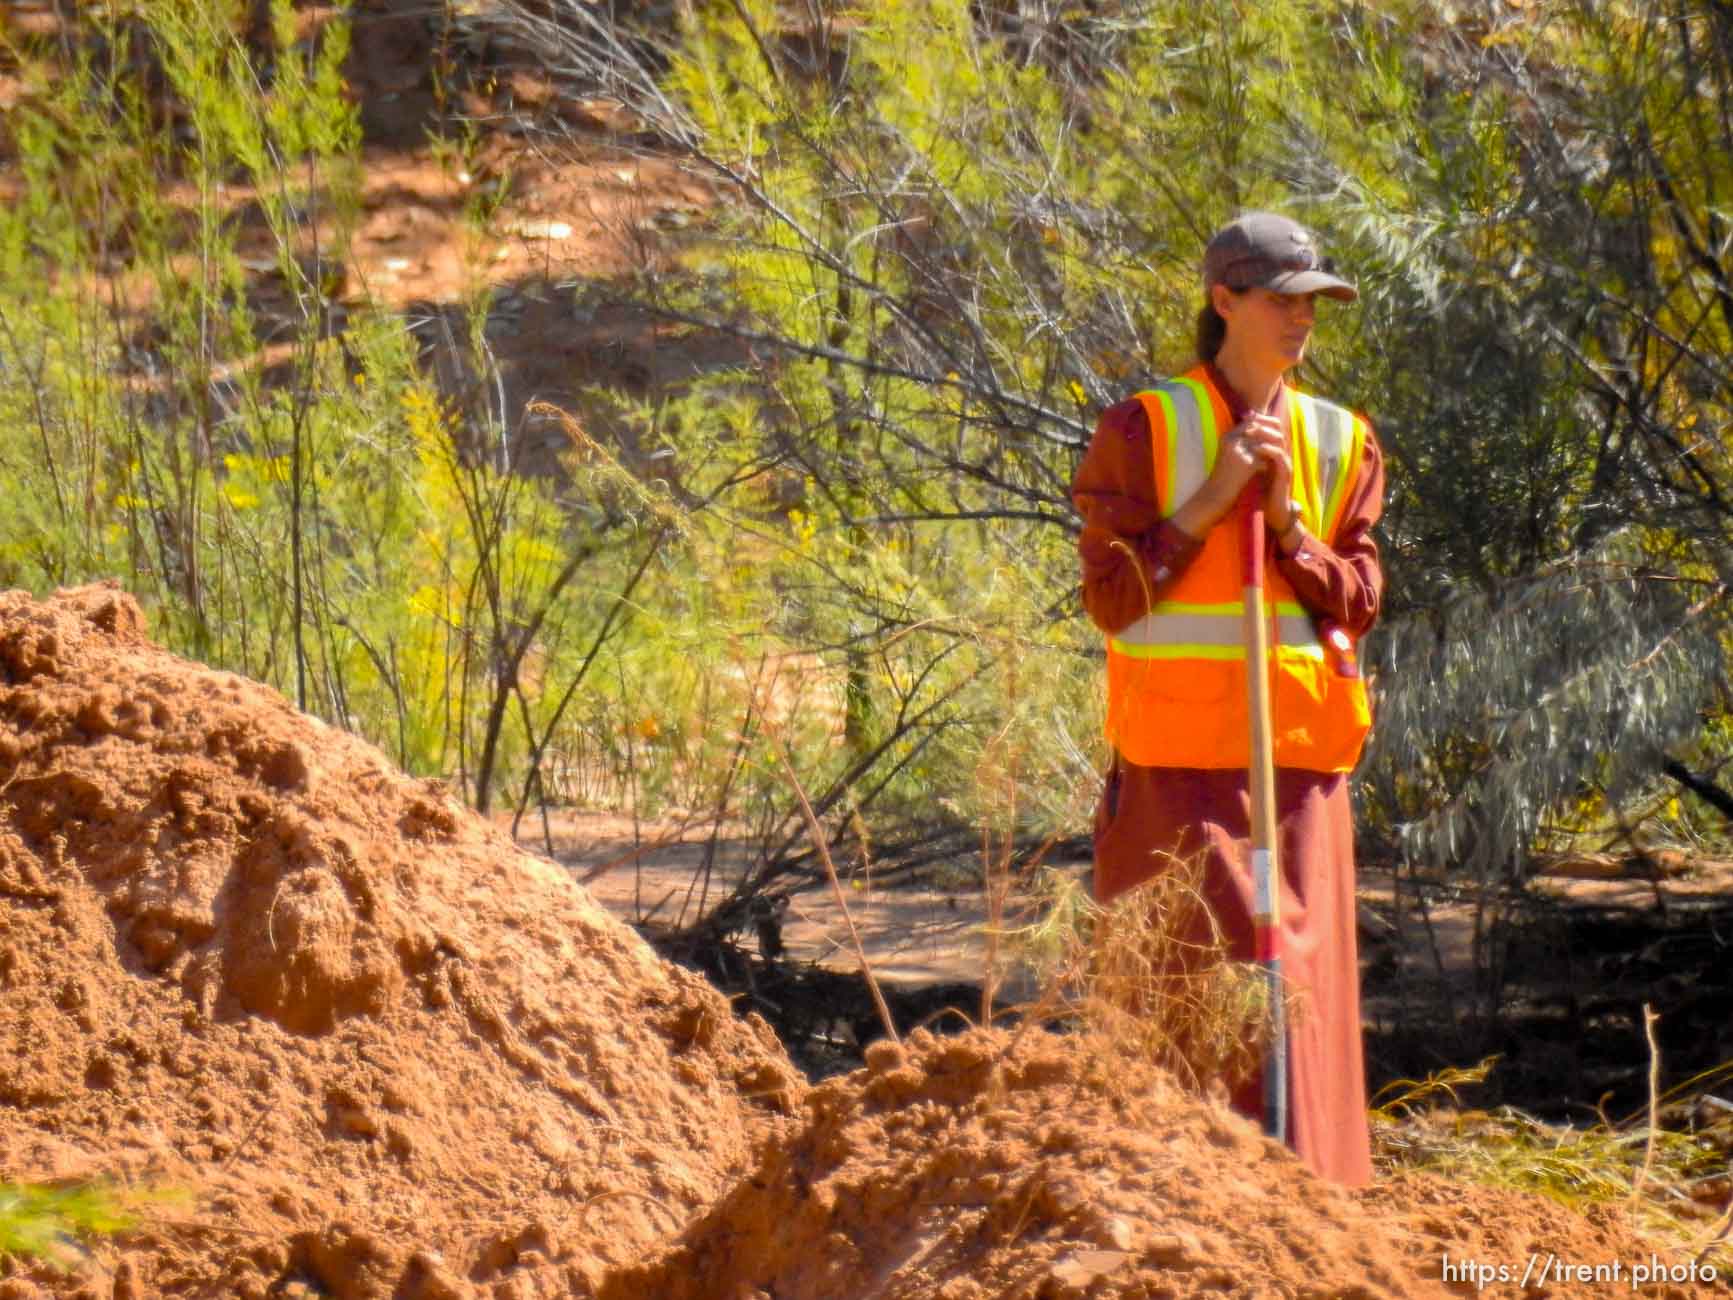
pixel 1267 328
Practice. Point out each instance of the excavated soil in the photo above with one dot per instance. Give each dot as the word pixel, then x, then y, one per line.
pixel 989 1167
pixel 387 1052
pixel 382 1052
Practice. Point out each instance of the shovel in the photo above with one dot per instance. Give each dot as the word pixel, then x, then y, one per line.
pixel 1261 775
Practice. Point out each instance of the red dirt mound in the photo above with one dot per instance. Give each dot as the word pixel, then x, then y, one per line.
pixel 987 1167
pixel 387 1052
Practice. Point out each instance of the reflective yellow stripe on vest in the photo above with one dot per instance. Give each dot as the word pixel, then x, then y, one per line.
pixel 1177 630
pixel 1191 453
pixel 1327 460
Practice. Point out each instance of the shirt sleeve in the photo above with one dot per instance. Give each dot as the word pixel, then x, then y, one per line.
pixel 1343 583
pixel 1129 553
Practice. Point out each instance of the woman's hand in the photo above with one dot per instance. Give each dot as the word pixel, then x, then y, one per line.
pixel 1256 445
pixel 1262 441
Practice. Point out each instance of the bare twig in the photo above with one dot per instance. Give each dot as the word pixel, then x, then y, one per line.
pixel 1650 1019
pixel 818 839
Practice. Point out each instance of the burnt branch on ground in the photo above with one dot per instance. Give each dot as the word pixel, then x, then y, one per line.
pixel 825 1018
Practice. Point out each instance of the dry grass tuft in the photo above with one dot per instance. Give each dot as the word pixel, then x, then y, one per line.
pixel 1147 978
pixel 1675 1182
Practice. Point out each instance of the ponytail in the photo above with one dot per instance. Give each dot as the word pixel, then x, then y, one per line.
pixel 1211 331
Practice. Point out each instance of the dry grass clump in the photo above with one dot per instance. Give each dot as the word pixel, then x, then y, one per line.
pixel 1675 1179
pixel 1148 978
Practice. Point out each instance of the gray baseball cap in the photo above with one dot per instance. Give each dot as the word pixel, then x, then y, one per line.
pixel 1262 249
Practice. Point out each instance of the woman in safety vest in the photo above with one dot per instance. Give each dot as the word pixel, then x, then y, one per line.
pixel 1161 577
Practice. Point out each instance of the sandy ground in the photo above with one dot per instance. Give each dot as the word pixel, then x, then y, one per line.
pixel 656 870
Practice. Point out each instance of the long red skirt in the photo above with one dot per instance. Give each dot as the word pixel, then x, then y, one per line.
pixel 1148 812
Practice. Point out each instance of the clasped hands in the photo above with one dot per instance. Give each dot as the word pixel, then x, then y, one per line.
pixel 1256 445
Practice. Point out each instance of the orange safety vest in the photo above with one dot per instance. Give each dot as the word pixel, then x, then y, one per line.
pixel 1176 678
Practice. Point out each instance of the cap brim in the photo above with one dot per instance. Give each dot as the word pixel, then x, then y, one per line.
pixel 1313 282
